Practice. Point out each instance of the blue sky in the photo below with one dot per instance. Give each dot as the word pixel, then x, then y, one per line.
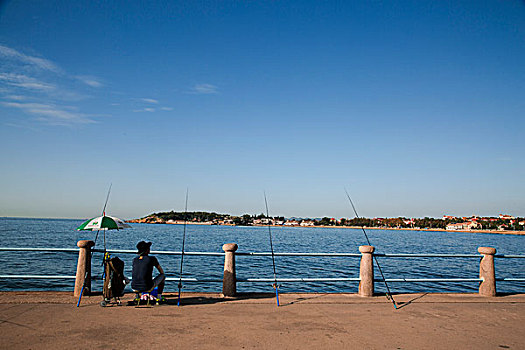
pixel 417 107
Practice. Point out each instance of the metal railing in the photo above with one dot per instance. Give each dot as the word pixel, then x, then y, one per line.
pixel 270 280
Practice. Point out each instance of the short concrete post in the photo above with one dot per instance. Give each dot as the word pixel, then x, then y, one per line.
pixel 83 266
pixel 487 272
pixel 229 281
pixel 366 271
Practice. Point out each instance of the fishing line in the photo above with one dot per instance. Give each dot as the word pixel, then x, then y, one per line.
pixel 183 242
pixel 388 293
pixel 275 286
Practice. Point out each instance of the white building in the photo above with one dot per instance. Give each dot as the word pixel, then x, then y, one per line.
pixel 464 226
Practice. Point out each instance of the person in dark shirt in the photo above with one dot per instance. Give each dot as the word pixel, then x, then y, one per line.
pixel 143 271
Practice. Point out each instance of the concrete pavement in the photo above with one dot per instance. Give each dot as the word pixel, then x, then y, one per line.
pixel 50 320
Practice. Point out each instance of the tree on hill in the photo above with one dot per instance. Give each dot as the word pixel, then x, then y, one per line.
pixel 198 216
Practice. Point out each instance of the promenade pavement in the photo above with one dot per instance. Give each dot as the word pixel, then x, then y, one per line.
pixel 51 320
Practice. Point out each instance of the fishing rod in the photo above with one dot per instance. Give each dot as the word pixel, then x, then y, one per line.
pixel 96 237
pixel 107 198
pixel 104 214
pixel 183 242
pixel 388 293
pixel 275 286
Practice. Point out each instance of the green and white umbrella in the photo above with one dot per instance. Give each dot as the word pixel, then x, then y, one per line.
pixel 103 223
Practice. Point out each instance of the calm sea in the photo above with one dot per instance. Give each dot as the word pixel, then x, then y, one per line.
pixel 20 232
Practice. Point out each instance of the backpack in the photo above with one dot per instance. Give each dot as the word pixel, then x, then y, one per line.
pixel 114 281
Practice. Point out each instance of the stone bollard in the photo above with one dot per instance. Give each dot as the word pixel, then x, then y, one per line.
pixel 487 272
pixel 366 271
pixel 229 281
pixel 83 266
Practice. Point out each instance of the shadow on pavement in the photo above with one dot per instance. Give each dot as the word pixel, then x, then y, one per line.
pixel 301 299
pixel 207 300
pixel 402 304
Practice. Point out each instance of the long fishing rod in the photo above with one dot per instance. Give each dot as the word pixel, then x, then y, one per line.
pixel 275 286
pixel 96 237
pixel 388 293
pixel 104 214
pixel 107 198
pixel 183 242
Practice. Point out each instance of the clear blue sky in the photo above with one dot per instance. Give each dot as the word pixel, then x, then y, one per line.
pixel 417 107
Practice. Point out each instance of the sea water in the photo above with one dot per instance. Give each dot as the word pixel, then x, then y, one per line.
pixel 61 233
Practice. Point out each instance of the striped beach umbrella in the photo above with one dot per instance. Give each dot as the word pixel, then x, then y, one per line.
pixel 102 223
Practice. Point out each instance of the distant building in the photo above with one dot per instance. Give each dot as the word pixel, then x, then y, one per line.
pixel 448 217
pixel 474 225
pixel 506 217
pixel 291 223
pixel 451 227
pixel 463 226
pixel 307 223
pixel 266 221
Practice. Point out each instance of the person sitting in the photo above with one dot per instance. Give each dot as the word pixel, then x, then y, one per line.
pixel 143 271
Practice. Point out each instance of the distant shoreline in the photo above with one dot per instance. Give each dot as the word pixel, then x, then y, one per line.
pixel 516 233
